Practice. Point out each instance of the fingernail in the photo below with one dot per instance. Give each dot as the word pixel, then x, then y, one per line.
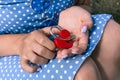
pixel 56 49
pixel 39 69
pixel 84 29
pixel 75 53
pixel 65 56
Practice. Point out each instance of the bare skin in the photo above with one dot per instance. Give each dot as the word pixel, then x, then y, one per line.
pixel 104 62
pixel 107 53
pixel 88 71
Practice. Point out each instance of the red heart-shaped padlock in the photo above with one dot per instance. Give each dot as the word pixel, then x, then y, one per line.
pixel 65 44
pixel 64 39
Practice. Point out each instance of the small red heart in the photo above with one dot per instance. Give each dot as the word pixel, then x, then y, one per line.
pixel 63 43
pixel 64 33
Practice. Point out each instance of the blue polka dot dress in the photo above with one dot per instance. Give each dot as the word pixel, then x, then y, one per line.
pixel 24 16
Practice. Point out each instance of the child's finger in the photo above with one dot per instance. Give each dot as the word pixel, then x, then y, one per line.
pixel 25 65
pixel 63 53
pixel 59 55
pixel 82 42
pixel 46 30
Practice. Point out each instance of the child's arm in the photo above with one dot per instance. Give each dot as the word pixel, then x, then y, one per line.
pixel 33 47
pixel 9 44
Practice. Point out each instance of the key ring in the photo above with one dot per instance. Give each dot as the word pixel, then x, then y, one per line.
pixel 71 36
pixel 52 28
pixel 64 39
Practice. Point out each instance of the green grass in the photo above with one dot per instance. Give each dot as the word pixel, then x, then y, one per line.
pixel 107 6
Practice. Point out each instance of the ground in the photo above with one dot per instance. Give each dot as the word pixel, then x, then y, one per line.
pixel 107 6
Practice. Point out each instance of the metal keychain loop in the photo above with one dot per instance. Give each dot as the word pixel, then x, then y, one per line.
pixel 60 28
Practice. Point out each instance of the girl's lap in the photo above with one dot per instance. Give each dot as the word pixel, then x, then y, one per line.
pixel 56 69
pixel 10 68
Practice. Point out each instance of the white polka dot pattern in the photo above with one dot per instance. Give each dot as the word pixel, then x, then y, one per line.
pixel 65 69
pixel 19 18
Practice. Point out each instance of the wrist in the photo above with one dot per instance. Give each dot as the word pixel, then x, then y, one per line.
pixel 19 43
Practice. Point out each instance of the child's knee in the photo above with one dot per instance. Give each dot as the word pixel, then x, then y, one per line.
pixel 107 52
pixel 112 33
pixel 110 42
pixel 113 37
pixel 88 71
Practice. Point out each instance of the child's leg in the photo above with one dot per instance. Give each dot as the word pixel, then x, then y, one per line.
pixel 88 71
pixel 107 53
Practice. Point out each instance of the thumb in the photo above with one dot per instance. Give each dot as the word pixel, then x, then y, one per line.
pixel 49 29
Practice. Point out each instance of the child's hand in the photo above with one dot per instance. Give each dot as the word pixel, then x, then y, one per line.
pixel 35 47
pixel 77 21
